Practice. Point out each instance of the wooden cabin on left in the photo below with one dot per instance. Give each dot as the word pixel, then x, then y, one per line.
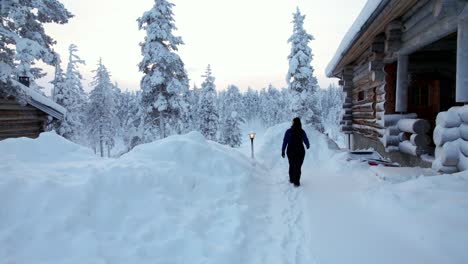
pixel 26 112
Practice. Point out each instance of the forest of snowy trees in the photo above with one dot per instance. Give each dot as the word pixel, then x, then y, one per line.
pixel 165 104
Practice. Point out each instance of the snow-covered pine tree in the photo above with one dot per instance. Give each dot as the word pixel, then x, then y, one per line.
pixel 130 119
pixel 165 80
pixel 101 117
pixel 302 82
pixel 23 40
pixel 271 108
pixel 332 101
pixel 231 131
pixel 231 120
pixel 251 103
pixel 71 95
pixel 208 116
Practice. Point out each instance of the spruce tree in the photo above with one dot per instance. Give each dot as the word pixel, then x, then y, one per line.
pixel 71 95
pixel 208 112
pixel 23 40
pixel 165 80
pixel 101 114
pixel 22 27
pixel 231 120
pixel 302 82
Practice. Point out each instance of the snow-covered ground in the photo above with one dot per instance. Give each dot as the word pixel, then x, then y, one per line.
pixel 187 200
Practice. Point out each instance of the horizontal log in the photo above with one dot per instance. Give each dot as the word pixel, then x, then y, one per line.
pixel 363 115
pixel 403 136
pixel 408 148
pixel 388 140
pixel 370 123
pixel 21 128
pixel 443 135
pixel 367 107
pixel 346 129
pixel 423 13
pixel 8 101
pixel 31 134
pixel 9 115
pixel 414 126
pixel 380 106
pixel 347 117
pixel 378 76
pixel 371 133
pixel 392 131
pixel 25 122
pixel 364 75
pixel 415 40
pixel 392 120
pixel 420 140
pixel 17 107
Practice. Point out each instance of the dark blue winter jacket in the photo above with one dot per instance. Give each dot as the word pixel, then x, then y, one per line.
pixel 287 139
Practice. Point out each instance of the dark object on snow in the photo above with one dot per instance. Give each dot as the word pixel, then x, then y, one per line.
pixel 372 158
pixel 294 140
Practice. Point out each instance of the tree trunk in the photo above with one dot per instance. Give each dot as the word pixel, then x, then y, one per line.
pixel 101 143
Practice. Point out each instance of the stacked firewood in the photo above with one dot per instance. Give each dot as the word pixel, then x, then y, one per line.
pixel 451 139
pixel 413 136
pixel 391 139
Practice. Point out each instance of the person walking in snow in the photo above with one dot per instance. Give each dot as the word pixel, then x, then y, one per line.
pixel 294 140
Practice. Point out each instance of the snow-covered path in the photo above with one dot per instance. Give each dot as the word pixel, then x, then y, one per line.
pixel 187 200
pixel 344 214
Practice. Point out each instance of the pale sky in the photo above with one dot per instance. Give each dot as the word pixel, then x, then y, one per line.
pixel 245 41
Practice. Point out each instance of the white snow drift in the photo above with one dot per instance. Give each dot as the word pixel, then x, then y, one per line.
pixel 188 200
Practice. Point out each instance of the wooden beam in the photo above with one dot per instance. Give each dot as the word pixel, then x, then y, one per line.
pixel 17 107
pixel 462 62
pixel 402 84
pixel 439 30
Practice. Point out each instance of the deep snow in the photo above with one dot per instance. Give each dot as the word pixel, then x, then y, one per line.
pixel 187 200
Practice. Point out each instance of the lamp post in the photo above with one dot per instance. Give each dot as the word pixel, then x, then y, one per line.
pixel 252 136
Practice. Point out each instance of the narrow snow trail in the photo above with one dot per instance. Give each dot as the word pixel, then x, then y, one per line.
pixel 333 217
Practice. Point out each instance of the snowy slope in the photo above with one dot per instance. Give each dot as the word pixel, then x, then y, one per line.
pixel 172 201
pixel 187 200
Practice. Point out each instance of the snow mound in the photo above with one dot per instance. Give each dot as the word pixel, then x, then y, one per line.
pixel 431 211
pixel 49 147
pixel 175 200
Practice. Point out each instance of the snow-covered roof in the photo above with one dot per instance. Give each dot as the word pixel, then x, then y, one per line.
pixel 41 101
pixel 368 13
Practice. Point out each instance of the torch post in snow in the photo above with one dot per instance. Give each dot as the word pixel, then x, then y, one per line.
pixel 252 137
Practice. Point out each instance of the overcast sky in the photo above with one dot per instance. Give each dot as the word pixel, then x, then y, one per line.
pixel 245 41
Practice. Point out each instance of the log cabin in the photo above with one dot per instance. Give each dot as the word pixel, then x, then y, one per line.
pixel 401 64
pixel 25 112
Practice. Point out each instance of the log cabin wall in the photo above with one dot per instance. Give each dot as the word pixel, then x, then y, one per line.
pixel 368 94
pixel 17 120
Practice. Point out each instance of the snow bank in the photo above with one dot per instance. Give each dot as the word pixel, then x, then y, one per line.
pixel 48 148
pixel 353 33
pixel 172 201
pixel 400 174
pixel 429 212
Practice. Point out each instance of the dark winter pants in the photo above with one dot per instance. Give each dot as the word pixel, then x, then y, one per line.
pixel 295 164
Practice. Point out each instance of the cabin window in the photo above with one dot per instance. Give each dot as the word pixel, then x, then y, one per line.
pixel 361 96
